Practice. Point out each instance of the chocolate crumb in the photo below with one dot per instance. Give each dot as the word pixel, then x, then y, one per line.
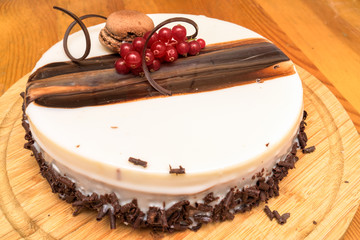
pixel 268 212
pixel 267 144
pixel 309 149
pixel 48 215
pixel 139 162
pixel 346 182
pixel 314 222
pixel 177 171
pixel 284 218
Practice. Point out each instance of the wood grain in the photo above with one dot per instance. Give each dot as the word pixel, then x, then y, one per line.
pixel 320 36
pixel 322 188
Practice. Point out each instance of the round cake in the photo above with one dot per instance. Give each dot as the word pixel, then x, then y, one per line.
pixel 204 154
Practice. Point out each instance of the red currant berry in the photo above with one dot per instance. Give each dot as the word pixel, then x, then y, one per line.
pixel 125 48
pixel 194 48
pixel 179 32
pixel 133 59
pixel 155 65
pixel 183 48
pixel 153 38
pixel 138 71
pixel 149 57
pixel 121 67
pixel 165 34
pixel 201 42
pixel 158 48
pixel 138 44
pixel 171 54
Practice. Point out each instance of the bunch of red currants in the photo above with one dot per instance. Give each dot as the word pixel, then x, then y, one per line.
pixel 164 46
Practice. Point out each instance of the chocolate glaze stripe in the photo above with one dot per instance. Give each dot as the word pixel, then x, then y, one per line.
pixel 106 61
pixel 95 81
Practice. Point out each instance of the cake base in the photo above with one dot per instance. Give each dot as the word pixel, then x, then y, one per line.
pixel 181 215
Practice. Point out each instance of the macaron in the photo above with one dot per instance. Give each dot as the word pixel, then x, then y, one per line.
pixel 124 26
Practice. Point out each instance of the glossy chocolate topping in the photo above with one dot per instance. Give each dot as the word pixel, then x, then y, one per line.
pixel 95 81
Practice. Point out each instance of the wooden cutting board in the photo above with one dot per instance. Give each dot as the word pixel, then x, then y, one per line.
pixel 324 186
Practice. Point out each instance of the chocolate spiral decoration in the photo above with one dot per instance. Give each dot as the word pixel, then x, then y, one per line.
pixel 79 21
pixel 145 69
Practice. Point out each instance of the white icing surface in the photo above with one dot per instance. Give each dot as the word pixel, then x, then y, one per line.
pixel 219 137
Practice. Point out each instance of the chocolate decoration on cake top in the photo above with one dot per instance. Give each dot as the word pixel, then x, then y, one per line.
pixel 79 21
pixel 97 83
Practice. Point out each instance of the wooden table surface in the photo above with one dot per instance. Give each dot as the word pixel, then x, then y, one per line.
pixel 321 36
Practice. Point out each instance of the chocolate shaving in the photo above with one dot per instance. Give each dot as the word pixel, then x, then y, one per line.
pixel 283 218
pixel 79 21
pixel 280 219
pixel 305 114
pixel 314 222
pixel 139 162
pixel 268 212
pixel 112 220
pixel 177 171
pixel 264 186
pixel 294 149
pixel 196 227
pixel 276 215
pixel 144 66
pixel 309 149
pixel 103 211
pixel 210 198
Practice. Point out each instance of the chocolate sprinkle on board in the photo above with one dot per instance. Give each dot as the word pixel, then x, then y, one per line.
pixel 178 217
pixel 268 212
pixel 139 162
pixel 314 222
pixel 309 149
pixel 177 171
pixel 275 214
pixel 284 218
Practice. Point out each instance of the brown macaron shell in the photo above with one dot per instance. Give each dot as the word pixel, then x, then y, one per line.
pixel 124 26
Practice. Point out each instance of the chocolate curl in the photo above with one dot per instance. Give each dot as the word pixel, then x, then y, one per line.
pixel 154 84
pixel 83 27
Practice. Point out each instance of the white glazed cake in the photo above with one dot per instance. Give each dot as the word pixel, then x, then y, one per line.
pixel 223 138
